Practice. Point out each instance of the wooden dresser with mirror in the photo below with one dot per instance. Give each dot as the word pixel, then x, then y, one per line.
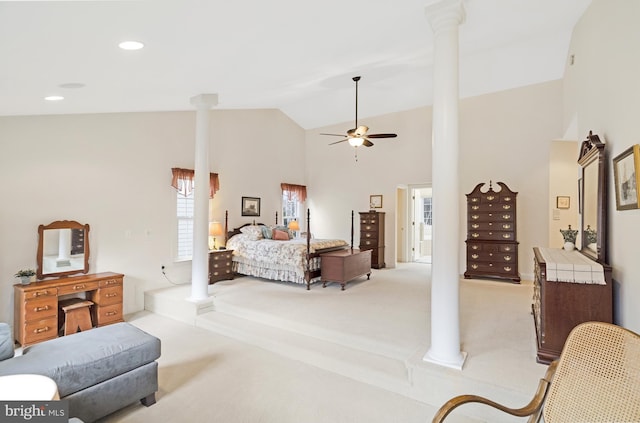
pixel 63 251
pixel 558 304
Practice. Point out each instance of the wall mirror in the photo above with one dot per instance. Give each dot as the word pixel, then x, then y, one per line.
pixel 63 249
pixel 593 209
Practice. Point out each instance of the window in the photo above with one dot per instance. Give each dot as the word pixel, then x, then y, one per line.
pixel 427 211
pixel 183 182
pixel 290 208
pixel 293 197
pixel 184 207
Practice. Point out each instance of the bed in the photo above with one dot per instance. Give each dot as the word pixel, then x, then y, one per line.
pixel 292 260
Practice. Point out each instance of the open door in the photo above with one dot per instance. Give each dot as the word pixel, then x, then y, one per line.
pixel 422 223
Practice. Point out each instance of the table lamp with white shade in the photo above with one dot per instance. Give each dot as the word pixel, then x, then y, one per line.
pixel 215 230
pixel 294 227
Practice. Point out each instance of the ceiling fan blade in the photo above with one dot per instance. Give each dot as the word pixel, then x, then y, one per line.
pixel 334 135
pixel 351 132
pixel 337 142
pixel 361 130
pixel 382 135
pixel 367 143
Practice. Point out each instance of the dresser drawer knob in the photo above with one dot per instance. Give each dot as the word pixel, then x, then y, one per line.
pixel 111 282
pixel 474 266
pixel 475 207
pixel 507 258
pixel 111 313
pixel 506 226
pixel 491 197
pixel 79 286
pixel 506 236
pixel 40 330
pixel 475 216
pixel 475 235
pixel 474 256
pixel 43 308
pixel 507 268
pixel 506 216
pixel 506 206
pixel 474 247
pixel 507 248
pixel 41 293
pixel 475 226
pixel 111 295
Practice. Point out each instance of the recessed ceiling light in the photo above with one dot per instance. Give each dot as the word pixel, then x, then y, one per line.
pixel 72 85
pixel 131 45
pixel 54 98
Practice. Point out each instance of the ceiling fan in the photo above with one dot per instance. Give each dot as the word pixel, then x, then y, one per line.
pixel 358 135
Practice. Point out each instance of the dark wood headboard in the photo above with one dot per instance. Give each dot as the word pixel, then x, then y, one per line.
pixel 236 231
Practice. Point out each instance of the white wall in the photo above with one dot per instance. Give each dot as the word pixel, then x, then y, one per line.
pixel 339 184
pixel 602 90
pixel 113 171
pixel 504 137
pixel 563 177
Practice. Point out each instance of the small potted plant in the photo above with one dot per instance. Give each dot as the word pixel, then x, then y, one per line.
pixel 25 275
pixel 569 236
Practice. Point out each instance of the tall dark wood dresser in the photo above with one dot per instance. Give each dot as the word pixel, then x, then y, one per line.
pixel 372 236
pixel 492 246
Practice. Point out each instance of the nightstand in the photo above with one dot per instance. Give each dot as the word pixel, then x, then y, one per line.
pixel 220 265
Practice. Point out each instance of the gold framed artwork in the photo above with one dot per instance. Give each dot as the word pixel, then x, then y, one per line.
pixel 626 169
pixel 375 201
pixel 563 201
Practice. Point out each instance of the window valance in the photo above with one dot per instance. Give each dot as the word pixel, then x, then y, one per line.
pixel 297 191
pixel 182 180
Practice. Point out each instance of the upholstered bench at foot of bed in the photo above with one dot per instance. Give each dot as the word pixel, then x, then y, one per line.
pixel 98 371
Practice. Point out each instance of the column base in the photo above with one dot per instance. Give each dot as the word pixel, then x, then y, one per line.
pixel 453 364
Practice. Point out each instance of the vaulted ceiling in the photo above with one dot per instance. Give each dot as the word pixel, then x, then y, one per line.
pixel 295 55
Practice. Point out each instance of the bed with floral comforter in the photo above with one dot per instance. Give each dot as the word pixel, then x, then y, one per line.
pixel 282 260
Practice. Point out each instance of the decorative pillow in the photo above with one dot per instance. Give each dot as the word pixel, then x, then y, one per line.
pixel 284 229
pixel 6 342
pixel 279 235
pixel 254 232
pixel 266 232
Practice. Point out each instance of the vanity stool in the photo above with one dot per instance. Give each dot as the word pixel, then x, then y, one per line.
pixel 77 317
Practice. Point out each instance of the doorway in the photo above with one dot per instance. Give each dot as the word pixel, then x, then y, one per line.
pixel 421 218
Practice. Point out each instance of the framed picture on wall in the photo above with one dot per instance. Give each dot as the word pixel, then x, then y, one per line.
pixel 250 206
pixel 563 201
pixel 375 201
pixel 626 168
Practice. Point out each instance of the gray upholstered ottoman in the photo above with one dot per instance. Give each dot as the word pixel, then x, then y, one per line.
pixel 98 371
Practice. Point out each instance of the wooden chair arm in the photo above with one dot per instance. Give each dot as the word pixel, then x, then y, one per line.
pixel 532 409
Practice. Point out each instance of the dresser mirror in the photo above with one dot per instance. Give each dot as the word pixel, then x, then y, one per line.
pixel 593 193
pixel 63 249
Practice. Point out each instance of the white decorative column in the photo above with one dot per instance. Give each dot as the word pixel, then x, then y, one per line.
pixel 445 17
pixel 64 248
pixel 199 261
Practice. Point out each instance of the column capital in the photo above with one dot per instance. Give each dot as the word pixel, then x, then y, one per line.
pixel 445 14
pixel 205 101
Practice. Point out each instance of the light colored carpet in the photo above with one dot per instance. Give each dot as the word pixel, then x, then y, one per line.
pixel 205 376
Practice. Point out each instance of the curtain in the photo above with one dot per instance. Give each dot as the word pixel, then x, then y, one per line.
pixel 295 191
pixel 182 180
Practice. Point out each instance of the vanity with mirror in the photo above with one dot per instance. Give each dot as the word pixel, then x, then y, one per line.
pixel 572 287
pixel 63 253
pixel 63 249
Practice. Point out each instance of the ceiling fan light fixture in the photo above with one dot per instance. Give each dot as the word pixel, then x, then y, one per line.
pixel 355 141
